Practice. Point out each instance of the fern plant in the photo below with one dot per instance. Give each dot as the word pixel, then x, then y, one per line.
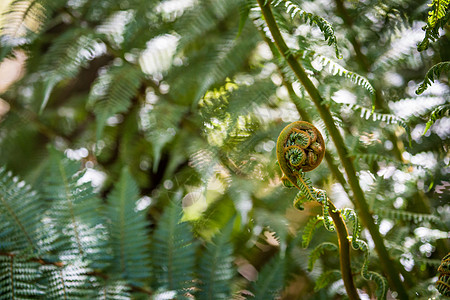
pixel 138 149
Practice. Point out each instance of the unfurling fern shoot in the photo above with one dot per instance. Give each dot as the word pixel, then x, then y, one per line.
pixel 301 148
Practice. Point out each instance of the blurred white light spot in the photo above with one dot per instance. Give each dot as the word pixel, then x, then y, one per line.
pixel 385 226
pixel 168 184
pixel 95 177
pixel 143 203
pixel 344 96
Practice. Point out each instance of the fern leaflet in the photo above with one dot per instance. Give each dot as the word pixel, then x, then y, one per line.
pixel 433 73
pixel 318 251
pixel 438 113
pixel 270 279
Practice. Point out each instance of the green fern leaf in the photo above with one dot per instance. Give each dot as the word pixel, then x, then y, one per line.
pixel 388 118
pixel 128 232
pixel 438 11
pixel 326 28
pixel 216 267
pixel 438 113
pixel 74 210
pixel 270 279
pixel 20 212
pixel 433 73
pixel 173 252
pixel 318 251
pixel 309 230
pixel 396 214
pixel 326 278
pixel 18 279
pixel 113 91
pixel 336 69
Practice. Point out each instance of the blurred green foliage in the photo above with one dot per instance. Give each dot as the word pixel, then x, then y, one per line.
pixel 145 134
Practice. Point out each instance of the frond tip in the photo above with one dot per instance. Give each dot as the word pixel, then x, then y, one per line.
pixel 433 73
pixel 438 113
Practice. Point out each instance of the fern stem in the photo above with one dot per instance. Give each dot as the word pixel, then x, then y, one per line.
pixel 359 200
pixel 344 251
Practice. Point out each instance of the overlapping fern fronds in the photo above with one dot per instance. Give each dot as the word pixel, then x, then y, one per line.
pixel 270 279
pixel 325 27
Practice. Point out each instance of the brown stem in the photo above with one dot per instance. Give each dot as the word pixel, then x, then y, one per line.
pixel 344 251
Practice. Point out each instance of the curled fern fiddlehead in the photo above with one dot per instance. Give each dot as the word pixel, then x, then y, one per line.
pixel 443 283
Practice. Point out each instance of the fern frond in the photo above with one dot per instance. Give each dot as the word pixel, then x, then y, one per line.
pixel 68 282
pixel 438 11
pixel 67 54
pixel 438 113
pixel 270 279
pixel 326 278
pixel 113 91
pixel 216 266
pixel 379 117
pixel 128 232
pixel 18 278
pixel 20 212
pixel 319 251
pixel 433 73
pixel 173 251
pixel 308 230
pixel 396 214
pixel 336 69
pixel 74 210
pixel 325 27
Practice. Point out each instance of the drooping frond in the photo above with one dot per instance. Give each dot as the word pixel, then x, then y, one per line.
pixel 308 230
pixel 216 267
pixel 438 17
pixel 379 117
pixel 128 232
pixel 337 70
pixel 67 54
pixel 20 212
pixel 325 27
pixel 113 91
pixel 18 278
pixel 270 279
pixel 438 113
pixel 439 8
pixel 318 251
pixel 433 73
pixel 173 252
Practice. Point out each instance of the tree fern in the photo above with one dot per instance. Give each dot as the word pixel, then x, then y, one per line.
pixel 270 279
pixel 293 9
pixel 433 73
pixel 113 91
pixel 438 113
pixel 173 252
pixel 216 267
pixel 128 232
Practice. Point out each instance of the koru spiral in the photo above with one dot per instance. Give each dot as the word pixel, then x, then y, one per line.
pixel 300 147
pixel 443 283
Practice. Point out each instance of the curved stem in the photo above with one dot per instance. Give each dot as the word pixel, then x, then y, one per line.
pixel 344 251
pixel 359 199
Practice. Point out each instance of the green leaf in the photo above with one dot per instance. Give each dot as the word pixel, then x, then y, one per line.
pixel 129 236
